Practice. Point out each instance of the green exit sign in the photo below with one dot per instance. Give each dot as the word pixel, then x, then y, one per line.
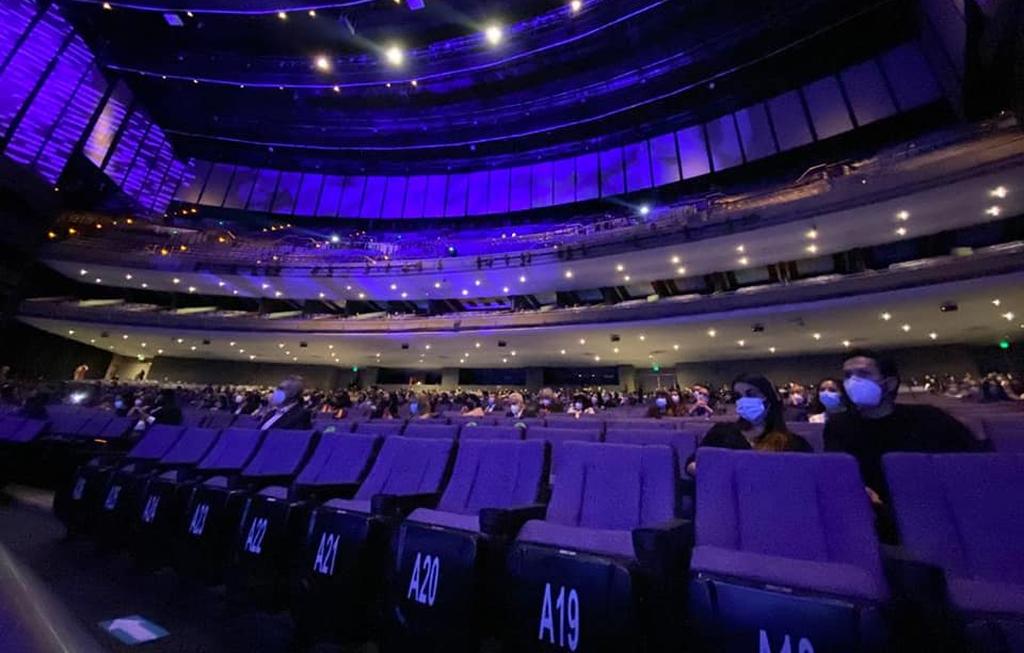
pixel 655 368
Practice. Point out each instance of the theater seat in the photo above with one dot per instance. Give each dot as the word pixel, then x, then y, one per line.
pixel 446 584
pixel 965 515
pixel 339 573
pixel 785 551
pixel 419 429
pixel 599 571
pixel 274 520
pixel 214 507
pixel 385 428
pixel 485 432
pixel 558 437
pixel 162 506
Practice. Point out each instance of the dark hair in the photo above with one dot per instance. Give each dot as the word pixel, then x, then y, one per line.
pixel 776 435
pixel 886 364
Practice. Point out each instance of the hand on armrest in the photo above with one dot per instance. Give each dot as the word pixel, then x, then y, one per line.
pixel 400 505
pixel 506 522
pixel 664 547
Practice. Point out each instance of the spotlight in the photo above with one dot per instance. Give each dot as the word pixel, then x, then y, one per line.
pixel 394 55
pixel 575 6
pixel 335 238
pixel 644 209
pixel 322 63
pixel 106 5
pixel 312 13
pixel 493 33
pixel 282 15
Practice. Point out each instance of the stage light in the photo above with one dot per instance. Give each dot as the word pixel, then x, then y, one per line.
pixel 335 238
pixel 322 63
pixel 312 13
pixel 576 5
pixel 337 89
pixel 493 33
pixel 394 55
pixel 644 209
pixel 106 5
pixel 282 15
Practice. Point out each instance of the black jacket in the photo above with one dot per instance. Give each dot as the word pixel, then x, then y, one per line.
pixel 296 417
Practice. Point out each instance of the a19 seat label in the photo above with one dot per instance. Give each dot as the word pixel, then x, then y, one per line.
pixel 560 618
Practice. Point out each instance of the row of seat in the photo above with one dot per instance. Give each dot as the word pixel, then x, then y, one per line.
pixel 435 542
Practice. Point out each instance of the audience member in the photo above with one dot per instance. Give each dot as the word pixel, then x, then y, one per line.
pixel 287 409
pixel 829 400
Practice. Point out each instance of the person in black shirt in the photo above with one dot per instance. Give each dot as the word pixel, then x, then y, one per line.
pixel 760 426
pixel 877 425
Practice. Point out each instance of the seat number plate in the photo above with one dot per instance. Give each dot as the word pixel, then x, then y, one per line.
pixel 560 618
pixel 426 573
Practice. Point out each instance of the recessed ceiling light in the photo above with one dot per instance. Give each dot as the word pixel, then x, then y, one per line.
pixel 83 272
pixel 846 343
pixel 903 216
pixel 394 55
pixel 175 280
pixel 312 13
pixel 464 292
pixel 998 191
pixel 615 350
pixel 476 282
pixel 504 360
pixel 71 332
pixel 681 271
pixel 159 351
pixel 901 232
pixel 996 302
pixel 322 63
pixel 993 211
pixel 583 341
pixel 816 336
pixel 933 335
pixel 597 359
pixel 193 347
pixel 414 83
pixel 106 5
pixel 522 279
pixel 437 284
pixel 568 274
pixel 504 289
pixel 676 347
pixel 576 5
pixel 282 15
pixel 905 327
pixel 1008 316
pixel 265 286
pixel 513 352
pixel 404 294
pixel 321 295
pixel 191 288
pixel 98 280
pixel 336 88
pixel 128 277
pixel 771 349
pixel 181 340
pixel 644 209
pixel 741 343
pixel 743 260
pixel 562 352
pixel 477 345
pixel 712 333
pixel 813 249
pixel 886 316
pixel 741 248
pixel 619 267
pixel 626 278
pixel 124 337
pixel 493 33
pixel 146 285
pixel 642 337
pixel 675 260
pixel 362 295
pixel 812 234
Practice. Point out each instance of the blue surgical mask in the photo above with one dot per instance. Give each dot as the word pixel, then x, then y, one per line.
pixel 414 407
pixel 830 399
pixel 661 402
pixel 751 409
pixel 118 404
pixel 864 393
pixel 277 398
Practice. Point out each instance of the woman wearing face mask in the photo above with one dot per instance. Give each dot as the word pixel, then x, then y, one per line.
pixel 828 402
pixel 662 407
pixel 760 426
pixel 701 403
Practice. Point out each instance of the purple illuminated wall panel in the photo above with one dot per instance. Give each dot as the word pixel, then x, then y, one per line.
pixel 723 143
pixel 791 127
pixel 263 192
pixel 476 195
pixel 217 184
pixel 638 166
pixel 151 185
pixel 26 66
pixel 587 177
pixel 693 152
pixel 519 194
pixel 128 144
pixel 664 160
pixel 613 180
pixel 497 193
pixel 107 124
pixel 72 124
pixel 541 184
pixel 437 196
pixel 287 193
pixel 394 197
pixel 373 196
pixel 330 196
pixel 309 194
pixel 351 196
pixel 15 16
pixel 241 188
pixel 827 107
pixel 143 162
pixel 563 181
pixel 755 132
pixel 188 192
pixel 415 196
pixel 458 187
pixel 172 180
pixel 865 87
pixel 910 76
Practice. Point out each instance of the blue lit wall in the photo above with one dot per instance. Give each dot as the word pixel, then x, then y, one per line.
pixel 897 81
pixel 55 100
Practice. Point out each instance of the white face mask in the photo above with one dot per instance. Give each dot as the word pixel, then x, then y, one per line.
pixel 864 393
pixel 578 405
pixel 239 399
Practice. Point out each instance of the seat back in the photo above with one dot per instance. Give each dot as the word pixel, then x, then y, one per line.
pixel 408 466
pixel 95 424
pixel 789 505
pixel 117 428
pixel 9 426
pixel 962 512
pixel 585 423
pixel 156 442
pixel 486 432
pixel 232 450
pixel 417 429
pixel 339 459
pixel 29 430
pixel 67 423
pixel 193 416
pixel 386 427
pixel 557 438
pixel 813 433
pixel 1006 434
pixel 282 453
pixel 218 419
pixel 246 422
pixel 494 474
pixel 682 442
pixel 334 425
pixel 646 424
pixel 614 486
pixel 191 446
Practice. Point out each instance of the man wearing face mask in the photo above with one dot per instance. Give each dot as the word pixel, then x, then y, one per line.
pixel 286 408
pixel 877 425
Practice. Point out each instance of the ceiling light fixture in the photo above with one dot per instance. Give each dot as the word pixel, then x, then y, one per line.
pixel 993 211
pixel 493 33
pixel 394 55
pixel 886 316
pixel 575 6
pixel 322 63
pixel 903 216
pixel 998 191
pixel 282 15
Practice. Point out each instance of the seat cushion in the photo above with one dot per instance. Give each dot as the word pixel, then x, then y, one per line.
pixel 972 595
pixel 446 519
pixel 216 481
pixel 834 578
pixel 275 492
pixel 610 542
pixel 350 505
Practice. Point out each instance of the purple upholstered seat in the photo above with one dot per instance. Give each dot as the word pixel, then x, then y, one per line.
pixel 965 514
pixel 485 432
pixel 603 492
pixel 787 520
pixel 683 443
pixel 585 423
pixel 190 448
pixel 558 437
pixel 117 428
pixel 28 430
pixel 67 423
pixel 487 474
pixel 157 441
pixel 813 433
pixel 9 427
pixel 281 453
pixel 232 451
pixel 386 427
pixel 421 429
pixel 218 419
pixel 246 422
pixel 403 466
pixel 95 424
pixel 644 424
pixel 339 460
pixel 1005 434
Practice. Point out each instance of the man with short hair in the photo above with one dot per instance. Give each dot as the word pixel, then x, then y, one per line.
pixel 287 410
pixel 878 425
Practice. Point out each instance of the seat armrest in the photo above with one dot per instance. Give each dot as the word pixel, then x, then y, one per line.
pixel 326 492
pixel 910 579
pixel 505 522
pixel 400 505
pixel 664 548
